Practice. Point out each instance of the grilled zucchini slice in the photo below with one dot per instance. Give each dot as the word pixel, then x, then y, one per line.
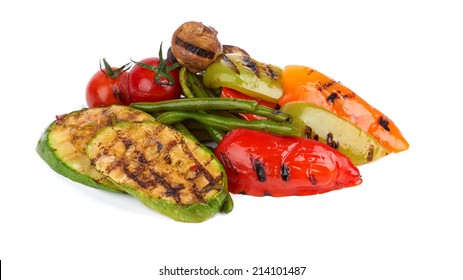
pixel 62 145
pixel 166 170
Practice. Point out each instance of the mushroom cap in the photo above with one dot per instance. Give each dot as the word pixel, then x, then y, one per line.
pixel 195 45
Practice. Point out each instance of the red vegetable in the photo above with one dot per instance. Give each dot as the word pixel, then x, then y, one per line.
pixel 231 93
pixel 259 163
pixel 154 79
pixel 108 87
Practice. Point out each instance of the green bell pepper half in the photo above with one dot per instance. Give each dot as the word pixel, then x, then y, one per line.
pixel 246 75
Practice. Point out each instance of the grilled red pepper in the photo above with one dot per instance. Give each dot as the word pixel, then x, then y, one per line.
pixel 231 93
pixel 259 163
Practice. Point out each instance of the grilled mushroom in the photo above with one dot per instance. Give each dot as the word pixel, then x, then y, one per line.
pixel 195 46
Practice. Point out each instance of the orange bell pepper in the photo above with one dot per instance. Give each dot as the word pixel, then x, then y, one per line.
pixel 301 83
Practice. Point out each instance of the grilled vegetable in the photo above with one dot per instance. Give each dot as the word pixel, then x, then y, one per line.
pixel 195 45
pixel 231 93
pixel 324 126
pixel 164 169
pixel 246 75
pixel 301 83
pixel 259 163
pixel 229 123
pixel 234 49
pixel 154 79
pixel 211 103
pixel 62 145
pixel 187 82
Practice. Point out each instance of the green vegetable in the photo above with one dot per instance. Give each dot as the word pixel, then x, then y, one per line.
pixel 183 129
pixel 228 205
pixel 163 168
pixel 337 132
pixel 229 123
pixel 62 145
pixel 196 104
pixel 211 103
pixel 246 75
pixel 185 82
pixel 197 86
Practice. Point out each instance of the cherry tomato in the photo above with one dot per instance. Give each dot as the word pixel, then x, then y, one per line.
pixel 108 87
pixel 149 81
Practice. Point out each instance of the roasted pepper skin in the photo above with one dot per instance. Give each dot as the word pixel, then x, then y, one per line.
pixel 301 83
pixel 246 75
pixel 259 163
pixel 231 93
pixel 325 126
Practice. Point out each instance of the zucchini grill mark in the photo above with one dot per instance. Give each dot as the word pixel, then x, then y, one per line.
pixel 170 169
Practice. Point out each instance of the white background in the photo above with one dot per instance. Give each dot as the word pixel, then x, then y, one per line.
pixel 403 222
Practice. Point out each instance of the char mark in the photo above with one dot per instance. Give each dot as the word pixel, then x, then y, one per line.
pixel 371 150
pixel 312 179
pixel 127 142
pixel 231 64
pixel 332 97
pixel 194 49
pixel 260 170
pixel 384 123
pixel 201 168
pixel 330 141
pixel 284 172
pixel 271 73
pixel 251 65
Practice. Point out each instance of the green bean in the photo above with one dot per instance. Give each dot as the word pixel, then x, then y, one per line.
pixel 202 135
pixel 212 103
pixel 201 132
pixel 271 114
pixel 227 123
pixel 193 125
pixel 184 83
pixel 226 114
pixel 215 134
pixel 198 87
pixel 197 104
